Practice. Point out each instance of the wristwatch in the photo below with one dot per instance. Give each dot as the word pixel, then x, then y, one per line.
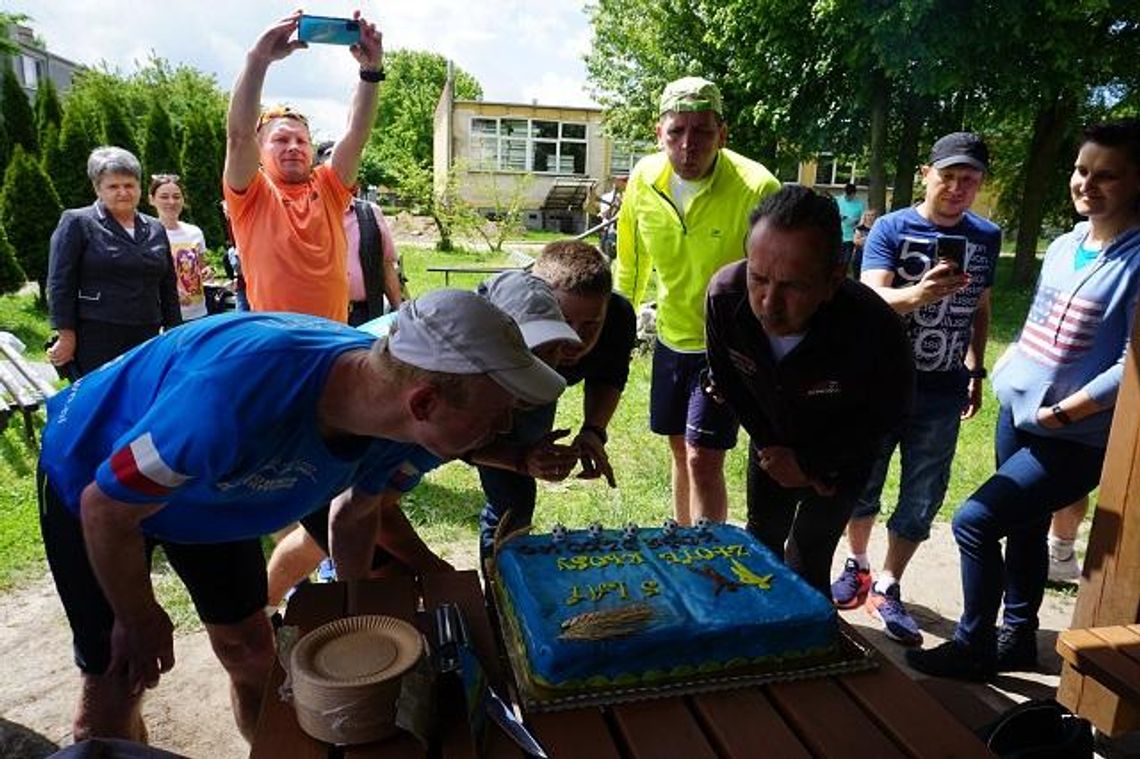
pixel 373 75
pixel 1061 416
pixel 979 373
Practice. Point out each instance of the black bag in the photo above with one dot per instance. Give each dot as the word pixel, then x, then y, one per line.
pixel 1039 729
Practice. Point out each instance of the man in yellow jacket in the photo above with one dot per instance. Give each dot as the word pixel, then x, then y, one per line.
pixel 685 214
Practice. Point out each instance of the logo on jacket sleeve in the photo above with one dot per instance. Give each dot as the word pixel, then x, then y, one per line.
pixel 823 388
pixel 138 466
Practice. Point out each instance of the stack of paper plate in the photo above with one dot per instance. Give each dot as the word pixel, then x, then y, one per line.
pixel 346 677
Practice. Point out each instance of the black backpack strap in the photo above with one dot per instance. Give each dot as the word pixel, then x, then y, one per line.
pixel 371 257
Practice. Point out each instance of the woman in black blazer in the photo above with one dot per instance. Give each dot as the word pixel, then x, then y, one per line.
pixel 111 281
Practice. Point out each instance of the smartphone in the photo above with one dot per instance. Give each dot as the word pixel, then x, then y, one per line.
pixel 951 248
pixel 328 30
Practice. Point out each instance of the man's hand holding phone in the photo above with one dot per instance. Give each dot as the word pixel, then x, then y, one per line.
pixel 952 249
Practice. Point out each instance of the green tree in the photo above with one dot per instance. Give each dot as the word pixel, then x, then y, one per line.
pixel 18 117
pixel 507 199
pixel 66 163
pixel 29 212
pixel 117 129
pixel 49 114
pixel 160 150
pixel 1076 63
pixel 5 147
pixel 405 114
pixel 201 177
pixel 11 275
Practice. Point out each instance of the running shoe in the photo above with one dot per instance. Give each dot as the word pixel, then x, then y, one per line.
pixel 850 589
pixel 898 624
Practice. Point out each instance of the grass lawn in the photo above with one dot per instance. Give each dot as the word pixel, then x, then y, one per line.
pixel 445 507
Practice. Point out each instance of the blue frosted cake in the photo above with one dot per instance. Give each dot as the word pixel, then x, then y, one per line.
pixel 584 612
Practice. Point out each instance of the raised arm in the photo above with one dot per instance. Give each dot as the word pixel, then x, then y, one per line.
pixel 245 100
pixel 369 53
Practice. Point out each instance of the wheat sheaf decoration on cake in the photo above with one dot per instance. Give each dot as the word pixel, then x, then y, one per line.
pixel 611 623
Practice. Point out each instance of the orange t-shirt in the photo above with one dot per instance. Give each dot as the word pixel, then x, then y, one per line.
pixel 291 241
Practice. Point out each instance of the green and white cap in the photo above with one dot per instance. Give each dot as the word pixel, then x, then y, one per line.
pixel 691 93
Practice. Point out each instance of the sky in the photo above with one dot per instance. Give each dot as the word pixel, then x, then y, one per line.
pixel 518 50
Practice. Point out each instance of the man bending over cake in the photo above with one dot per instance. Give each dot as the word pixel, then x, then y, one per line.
pixel 316 409
pixel 579 275
pixel 399 549
pixel 815 367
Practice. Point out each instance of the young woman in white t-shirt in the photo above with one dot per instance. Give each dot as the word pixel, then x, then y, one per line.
pixel 187 245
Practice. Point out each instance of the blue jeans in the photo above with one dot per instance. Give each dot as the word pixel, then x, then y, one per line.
pixel 1035 476
pixel 927 443
pixel 507 491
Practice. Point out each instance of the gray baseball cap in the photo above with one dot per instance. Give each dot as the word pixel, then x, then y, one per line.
pixel 532 304
pixel 459 332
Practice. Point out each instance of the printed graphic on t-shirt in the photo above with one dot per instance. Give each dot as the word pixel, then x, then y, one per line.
pixel 1060 327
pixel 188 265
pixel 940 331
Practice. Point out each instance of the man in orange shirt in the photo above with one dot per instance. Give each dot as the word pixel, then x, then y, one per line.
pixel 286 214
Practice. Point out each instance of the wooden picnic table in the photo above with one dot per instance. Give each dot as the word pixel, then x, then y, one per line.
pixel 876 713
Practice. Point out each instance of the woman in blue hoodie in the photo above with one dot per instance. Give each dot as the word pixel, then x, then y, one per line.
pixel 1057 385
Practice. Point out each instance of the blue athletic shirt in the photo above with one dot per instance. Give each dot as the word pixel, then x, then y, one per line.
pixel 902 242
pixel 217 420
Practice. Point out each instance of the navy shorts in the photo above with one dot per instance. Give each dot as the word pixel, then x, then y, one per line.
pixel 679 406
pixel 226 581
pixel 317 525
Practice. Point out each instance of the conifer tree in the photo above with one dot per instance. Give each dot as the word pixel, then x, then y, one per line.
pixel 202 179
pixel 49 112
pixel 117 131
pixel 11 275
pixel 5 148
pixel 66 164
pixel 29 212
pixel 160 149
pixel 18 117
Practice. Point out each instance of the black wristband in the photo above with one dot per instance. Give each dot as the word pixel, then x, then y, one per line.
pixel 599 431
pixel 1061 416
pixel 979 373
pixel 373 75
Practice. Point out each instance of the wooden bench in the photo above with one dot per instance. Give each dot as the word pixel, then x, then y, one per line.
pixel 1109 655
pixel 22 388
pixel 447 271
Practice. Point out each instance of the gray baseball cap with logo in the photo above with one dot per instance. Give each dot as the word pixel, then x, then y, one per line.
pixel 532 304
pixel 459 332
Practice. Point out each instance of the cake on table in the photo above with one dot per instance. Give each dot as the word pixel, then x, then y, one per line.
pixel 586 612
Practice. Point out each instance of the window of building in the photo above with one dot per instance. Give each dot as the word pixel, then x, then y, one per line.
pixel 32 70
pixel 538 145
pixel 625 156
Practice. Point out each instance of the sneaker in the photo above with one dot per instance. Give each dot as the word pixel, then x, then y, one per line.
pixel 326 571
pixel 850 589
pixel 1064 570
pixel 953 660
pixel 1016 650
pixel 898 624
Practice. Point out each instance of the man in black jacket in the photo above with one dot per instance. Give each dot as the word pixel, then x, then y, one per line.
pixel 815 367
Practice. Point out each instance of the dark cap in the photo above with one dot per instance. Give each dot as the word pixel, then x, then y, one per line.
pixel 960 148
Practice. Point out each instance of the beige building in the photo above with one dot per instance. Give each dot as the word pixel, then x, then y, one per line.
pixel 556 157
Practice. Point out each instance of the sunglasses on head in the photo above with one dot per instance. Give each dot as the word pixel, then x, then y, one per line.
pixel 280 112
pixel 164 178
